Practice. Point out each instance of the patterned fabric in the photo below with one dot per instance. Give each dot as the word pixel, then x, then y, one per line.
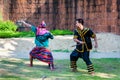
pixel 73 64
pixel 41 31
pixel 43 24
pixel 39 38
pixel 84 35
pixel 75 55
pixel 90 68
pixel 42 54
pixel 42 40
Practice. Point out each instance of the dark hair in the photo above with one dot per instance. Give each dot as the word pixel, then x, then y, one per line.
pixel 80 21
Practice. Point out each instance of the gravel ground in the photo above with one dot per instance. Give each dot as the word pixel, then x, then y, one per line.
pixel 109 46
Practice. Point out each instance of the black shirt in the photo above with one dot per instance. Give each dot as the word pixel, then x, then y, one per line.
pixel 84 35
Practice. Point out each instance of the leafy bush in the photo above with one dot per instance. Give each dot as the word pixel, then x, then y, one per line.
pixel 10 34
pixel 8 30
pixel 7 26
pixel 61 32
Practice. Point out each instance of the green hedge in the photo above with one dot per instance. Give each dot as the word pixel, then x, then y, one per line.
pixel 8 30
pixel 7 26
pixel 10 34
pixel 61 32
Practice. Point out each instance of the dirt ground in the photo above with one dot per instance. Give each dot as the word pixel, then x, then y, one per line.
pixel 107 42
pixel 108 46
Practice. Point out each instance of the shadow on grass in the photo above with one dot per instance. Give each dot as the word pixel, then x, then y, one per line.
pixel 18 69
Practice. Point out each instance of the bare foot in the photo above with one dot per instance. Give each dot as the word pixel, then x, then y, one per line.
pixel 74 70
pixel 92 73
pixel 29 65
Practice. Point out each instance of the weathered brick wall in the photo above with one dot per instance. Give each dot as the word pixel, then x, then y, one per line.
pixel 1 10
pixel 4 9
pixel 100 15
pixel 118 17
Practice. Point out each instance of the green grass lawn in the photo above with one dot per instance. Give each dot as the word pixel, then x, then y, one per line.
pixel 17 69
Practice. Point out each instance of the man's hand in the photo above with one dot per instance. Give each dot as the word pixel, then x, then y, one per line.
pixel 81 42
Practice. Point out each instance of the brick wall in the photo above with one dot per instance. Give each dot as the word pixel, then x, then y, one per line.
pixel 1 10
pixel 100 15
pixel 4 8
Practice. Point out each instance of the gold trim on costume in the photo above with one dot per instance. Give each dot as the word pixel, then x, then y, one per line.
pixel 75 37
pixel 93 36
pixel 80 51
pixel 82 33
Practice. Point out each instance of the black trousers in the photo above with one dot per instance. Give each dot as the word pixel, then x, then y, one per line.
pixel 75 55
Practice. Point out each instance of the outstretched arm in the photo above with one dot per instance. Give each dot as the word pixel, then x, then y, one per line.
pixel 26 24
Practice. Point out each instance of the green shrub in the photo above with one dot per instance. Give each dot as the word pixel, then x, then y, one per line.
pixel 10 34
pixel 8 30
pixel 61 32
pixel 7 26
